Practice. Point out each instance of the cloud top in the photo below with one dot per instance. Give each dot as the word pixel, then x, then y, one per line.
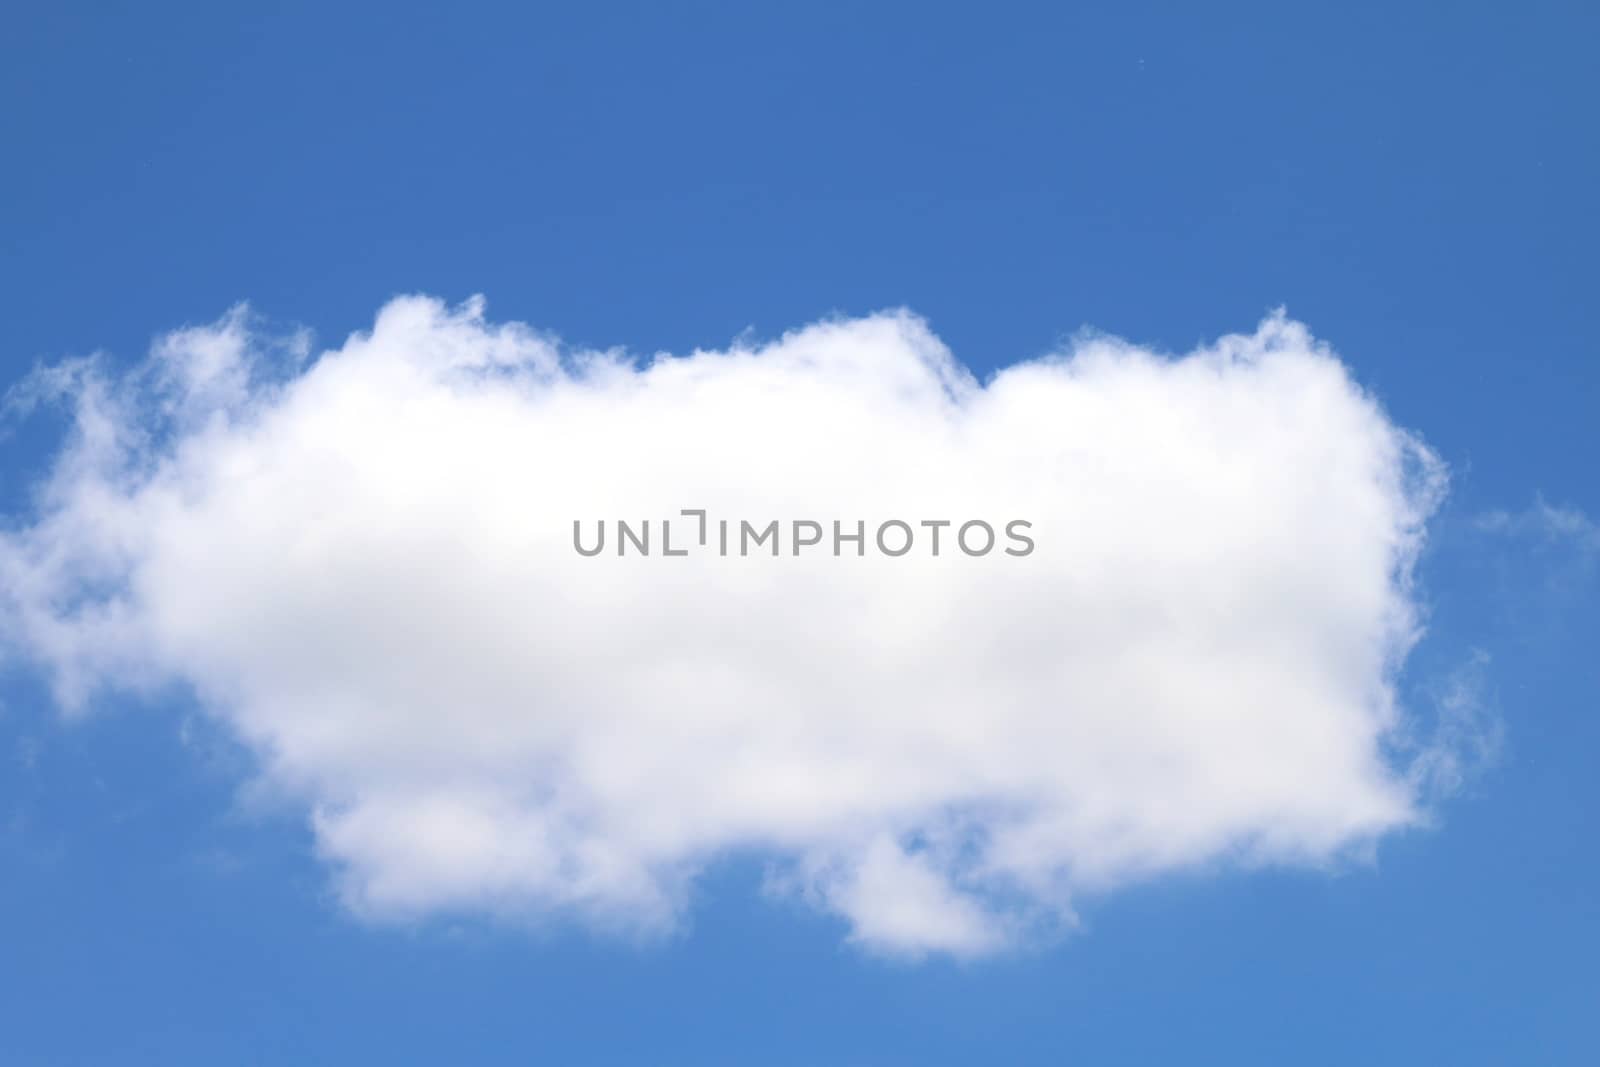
pixel 362 563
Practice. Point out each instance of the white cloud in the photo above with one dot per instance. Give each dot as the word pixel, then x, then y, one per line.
pixel 1467 733
pixel 363 565
pixel 1546 522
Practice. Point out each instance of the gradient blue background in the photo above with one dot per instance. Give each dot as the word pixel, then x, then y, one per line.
pixel 1415 181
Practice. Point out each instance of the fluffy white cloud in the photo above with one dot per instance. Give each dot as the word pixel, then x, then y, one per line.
pixel 363 564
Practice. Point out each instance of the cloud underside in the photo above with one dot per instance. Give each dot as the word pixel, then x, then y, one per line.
pixel 362 563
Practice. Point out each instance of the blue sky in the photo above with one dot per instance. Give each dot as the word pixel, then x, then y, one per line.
pixel 1414 183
